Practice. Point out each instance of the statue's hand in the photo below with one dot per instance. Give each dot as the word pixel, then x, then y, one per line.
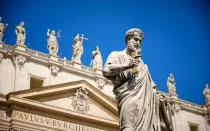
pixel 133 63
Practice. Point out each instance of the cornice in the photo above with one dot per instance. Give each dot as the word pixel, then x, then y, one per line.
pixel 185 105
pixel 44 59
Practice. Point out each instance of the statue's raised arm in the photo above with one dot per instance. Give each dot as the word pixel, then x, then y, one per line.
pixel 48 32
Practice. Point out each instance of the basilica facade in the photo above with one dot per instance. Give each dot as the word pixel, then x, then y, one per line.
pixel 43 92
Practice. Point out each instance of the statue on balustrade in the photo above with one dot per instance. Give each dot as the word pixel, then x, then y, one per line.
pixel 171 85
pixel 141 107
pixel 206 93
pixel 2 29
pixel 52 43
pixel 97 61
pixel 77 49
pixel 20 34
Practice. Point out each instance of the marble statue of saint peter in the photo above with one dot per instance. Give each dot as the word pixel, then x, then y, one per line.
pixel 141 107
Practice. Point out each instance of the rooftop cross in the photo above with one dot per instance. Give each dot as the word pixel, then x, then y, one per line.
pixel 82 38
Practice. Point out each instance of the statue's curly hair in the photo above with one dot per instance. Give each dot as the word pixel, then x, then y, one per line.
pixel 130 33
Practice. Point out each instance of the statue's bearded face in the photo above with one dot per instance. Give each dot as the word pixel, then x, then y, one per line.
pixel 133 44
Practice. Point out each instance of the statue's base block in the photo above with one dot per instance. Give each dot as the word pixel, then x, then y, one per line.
pixel 1 45
pixel 20 47
pixel 77 65
pixel 98 71
pixel 174 96
pixel 54 58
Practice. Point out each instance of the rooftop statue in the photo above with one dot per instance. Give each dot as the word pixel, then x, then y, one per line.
pixel 97 61
pixel 141 107
pixel 20 34
pixel 171 85
pixel 77 48
pixel 206 93
pixel 52 45
pixel 2 29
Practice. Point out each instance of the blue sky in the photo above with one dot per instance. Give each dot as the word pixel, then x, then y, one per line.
pixel 177 34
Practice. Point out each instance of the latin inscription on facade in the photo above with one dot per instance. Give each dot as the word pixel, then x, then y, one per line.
pixel 3 115
pixel 45 121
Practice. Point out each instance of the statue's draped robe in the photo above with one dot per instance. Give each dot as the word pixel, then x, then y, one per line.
pixel 52 45
pixel 77 51
pixel 206 92
pixel 171 86
pixel 97 60
pixel 20 35
pixel 1 30
pixel 138 103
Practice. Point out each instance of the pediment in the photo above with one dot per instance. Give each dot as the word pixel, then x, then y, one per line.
pixel 70 98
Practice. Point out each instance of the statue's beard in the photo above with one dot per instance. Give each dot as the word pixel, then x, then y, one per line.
pixel 131 47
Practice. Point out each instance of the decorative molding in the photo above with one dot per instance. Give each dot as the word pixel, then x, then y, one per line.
pixel 37 77
pixel 100 83
pixel 20 61
pixel 54 70
pixel 176 107
pixel 194 124
pixel 1 57
pixel 207 119
pixel 80 100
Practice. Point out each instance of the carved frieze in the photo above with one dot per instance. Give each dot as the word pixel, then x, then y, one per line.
pixel 80 100
pixel 176 107
pixel 1 57
pixel 100 84
pixel 54 71
pixel 20 61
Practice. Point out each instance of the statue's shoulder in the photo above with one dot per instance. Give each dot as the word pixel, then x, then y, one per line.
pixel 116 53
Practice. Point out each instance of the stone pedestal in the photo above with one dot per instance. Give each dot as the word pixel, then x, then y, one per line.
pixel 174 97
pixel 20 47
pixel 1 45
pixel 98 71
pixel 54 58
pixel 76 65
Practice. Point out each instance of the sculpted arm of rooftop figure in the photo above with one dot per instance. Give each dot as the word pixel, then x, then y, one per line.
pixel 16 30
pixel 114 69
pixel 48 32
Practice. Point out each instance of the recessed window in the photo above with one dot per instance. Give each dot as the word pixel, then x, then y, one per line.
pixel 193 127
pixel 35 83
